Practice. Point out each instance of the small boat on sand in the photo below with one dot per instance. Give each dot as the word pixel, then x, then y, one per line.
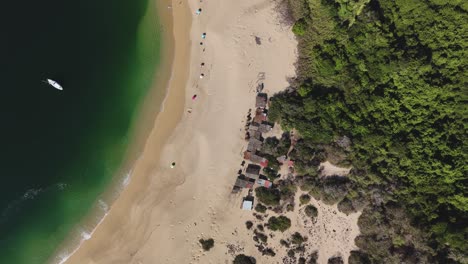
pixel 54 84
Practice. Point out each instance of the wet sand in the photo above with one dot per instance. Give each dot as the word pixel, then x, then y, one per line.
pixel 163 212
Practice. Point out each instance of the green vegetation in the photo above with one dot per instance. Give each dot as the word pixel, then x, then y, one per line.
pixel 207 244
pixel 391 76
pixel 304 199
pixel 243 259
pixel 311 211
pixel 298 239
pixel 335 260
pixel 248 224
pixel 268 196
pixel 262 237
pixel 280 223
pixel 260 208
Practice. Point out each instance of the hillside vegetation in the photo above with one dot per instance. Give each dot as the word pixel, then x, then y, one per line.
pixel 392 77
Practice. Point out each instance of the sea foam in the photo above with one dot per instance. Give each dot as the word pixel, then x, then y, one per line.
pixel 85 235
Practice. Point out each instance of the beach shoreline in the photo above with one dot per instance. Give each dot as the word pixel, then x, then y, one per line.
pixel 149 109
pixel 166 209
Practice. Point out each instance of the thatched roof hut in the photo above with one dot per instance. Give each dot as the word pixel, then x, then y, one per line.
pixel 255 158
pixel 244 182
pixel 261 100
pixel 254 145
pixel 253 171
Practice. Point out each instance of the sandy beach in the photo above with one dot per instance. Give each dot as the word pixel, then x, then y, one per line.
pixel 163 212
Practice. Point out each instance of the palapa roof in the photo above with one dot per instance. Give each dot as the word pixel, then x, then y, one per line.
pixel 260 116
pixel 264 127
pixel 252 169
pixel 244 182
pixel 254 144
pixel 255 158
pixel 261 100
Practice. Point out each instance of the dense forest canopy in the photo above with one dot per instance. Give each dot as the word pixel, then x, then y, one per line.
pixel 391 76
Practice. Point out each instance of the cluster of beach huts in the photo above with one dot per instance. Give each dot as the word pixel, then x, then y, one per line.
pixel 255 127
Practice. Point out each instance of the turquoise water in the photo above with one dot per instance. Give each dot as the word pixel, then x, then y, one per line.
pixel 60 149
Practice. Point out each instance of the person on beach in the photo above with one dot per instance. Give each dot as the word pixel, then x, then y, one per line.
pixel 201 43
pixel 194 97
pixel 203 35
pixel 172 165
pixel 202 64
pixel 198 11
pixel 202 75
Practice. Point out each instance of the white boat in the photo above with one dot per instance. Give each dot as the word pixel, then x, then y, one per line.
pixel 54 84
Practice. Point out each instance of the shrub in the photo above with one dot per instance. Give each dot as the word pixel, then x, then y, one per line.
pixel 207 244
pixel 297 238
pixel 248 224
pixel 280 223
pixel 284 243
pixel 335 260
pixel 304 199
pixel 268 196
pixel 299 27
pixel 358 257
pixel 260 208
pixel 243 259
pixel 269 252
pixel 346 206
pixel 271 173
pixel 312 259
pixel 288 189
pixel 262 237
pixel 334 189
pixel 311 211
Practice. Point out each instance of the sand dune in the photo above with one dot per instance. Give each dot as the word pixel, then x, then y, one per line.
pixel 163 212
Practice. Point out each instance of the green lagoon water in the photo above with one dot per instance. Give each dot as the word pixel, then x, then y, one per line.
pixel 60 149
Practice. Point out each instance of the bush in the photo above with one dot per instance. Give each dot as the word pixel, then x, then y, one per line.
pixel 260 227
pixel 248 224
pixel 271 173
pixel 311 211
pixel 262 237
pixel 335 260
pixel 334 189
pixel 288 189
pixel 280 223
pixel 299 28
pixel 304 199
pixel 358 257
pixel 284 243
pixel 268 196
pixel 346 206
pixel 243 259
pixel 207 244
pixel 297 238
pixel 269 252
pixel 312 259
pixel 260 208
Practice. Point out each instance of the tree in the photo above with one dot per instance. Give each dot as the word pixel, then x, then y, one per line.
pixel 268 196
pixel 311 211
pixel 207 244
pixel 280 223
pixel 243 259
